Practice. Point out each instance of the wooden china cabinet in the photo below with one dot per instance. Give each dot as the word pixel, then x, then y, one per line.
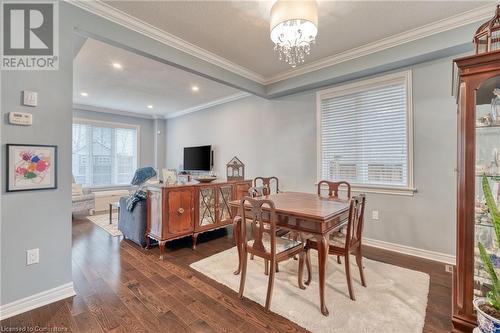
pixel 478 155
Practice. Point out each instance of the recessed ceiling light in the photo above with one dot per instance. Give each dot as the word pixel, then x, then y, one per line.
pixel 150 106
pixel 117 65
pixel 195 88
pixel 84 94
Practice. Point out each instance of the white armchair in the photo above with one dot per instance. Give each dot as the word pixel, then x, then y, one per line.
pixel 83 200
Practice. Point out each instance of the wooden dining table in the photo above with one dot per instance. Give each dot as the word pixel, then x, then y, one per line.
pixel 303 213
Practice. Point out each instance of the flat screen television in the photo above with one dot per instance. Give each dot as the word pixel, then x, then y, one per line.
pixel 198 158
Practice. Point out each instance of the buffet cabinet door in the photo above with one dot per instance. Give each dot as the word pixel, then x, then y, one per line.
pixel 180 212
pixel 224 196
pixel 241 189
pixel 207 202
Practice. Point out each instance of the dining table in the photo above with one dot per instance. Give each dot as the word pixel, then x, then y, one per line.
pixel 305 214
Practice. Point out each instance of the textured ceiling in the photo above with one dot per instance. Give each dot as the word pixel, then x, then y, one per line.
pixel 239 30
pixel 139 83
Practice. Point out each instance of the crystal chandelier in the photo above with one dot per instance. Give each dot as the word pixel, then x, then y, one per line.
pixel 294 26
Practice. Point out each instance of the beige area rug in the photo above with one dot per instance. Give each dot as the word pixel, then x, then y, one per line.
pixel 102 220
pixel 395 299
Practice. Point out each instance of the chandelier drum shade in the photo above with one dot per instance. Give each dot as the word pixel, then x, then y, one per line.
pixel 294 26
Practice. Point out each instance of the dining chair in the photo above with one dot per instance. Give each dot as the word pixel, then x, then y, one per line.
pixel 268 183
pixel 333 192
pixel 256 192
pixel 264 243
pixel 343 244
pixel 334 187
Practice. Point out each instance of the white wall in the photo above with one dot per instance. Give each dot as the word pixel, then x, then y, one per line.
pixel 278 137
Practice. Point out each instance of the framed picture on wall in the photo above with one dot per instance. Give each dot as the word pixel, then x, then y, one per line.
pixel 31 167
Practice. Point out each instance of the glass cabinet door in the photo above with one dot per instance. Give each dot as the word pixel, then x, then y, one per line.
pixel 487 147
pixel 206 202
pixel 225 196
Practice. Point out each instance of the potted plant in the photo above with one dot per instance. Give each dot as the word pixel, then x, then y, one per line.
pixel 488 309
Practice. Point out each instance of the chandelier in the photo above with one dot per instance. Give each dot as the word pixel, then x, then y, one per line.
pixel 294 26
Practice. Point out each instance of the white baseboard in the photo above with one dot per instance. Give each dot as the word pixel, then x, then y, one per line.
pixel 37 300
pixel 412 251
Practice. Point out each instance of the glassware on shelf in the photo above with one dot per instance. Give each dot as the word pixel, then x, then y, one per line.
pixel 495 108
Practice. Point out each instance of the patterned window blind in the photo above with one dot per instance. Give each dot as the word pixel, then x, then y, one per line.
pixel 364 133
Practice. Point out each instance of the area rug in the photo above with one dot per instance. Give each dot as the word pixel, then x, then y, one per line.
pixel 102 220
pixel 395 299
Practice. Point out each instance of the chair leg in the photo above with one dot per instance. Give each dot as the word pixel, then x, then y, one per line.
pixel 301 270
pixel 270 285
pixel 266 267
pixel 277 268
pixel 359 262
pixel 308 265
pixel 338 260
pixel 348 276
pixel 251 256
pixel 243 273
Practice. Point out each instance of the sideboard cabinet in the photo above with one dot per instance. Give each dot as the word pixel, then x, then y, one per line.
pixel 176 211
pixel 478 160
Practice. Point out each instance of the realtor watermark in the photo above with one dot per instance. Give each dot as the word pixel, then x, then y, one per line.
pixel 30 35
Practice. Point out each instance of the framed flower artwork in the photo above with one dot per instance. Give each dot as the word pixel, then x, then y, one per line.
pixel 31 167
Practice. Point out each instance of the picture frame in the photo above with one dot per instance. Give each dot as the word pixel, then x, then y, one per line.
pixel 31 167
pixel 169 176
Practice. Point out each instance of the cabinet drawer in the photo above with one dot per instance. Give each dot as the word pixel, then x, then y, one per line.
pixel 180 212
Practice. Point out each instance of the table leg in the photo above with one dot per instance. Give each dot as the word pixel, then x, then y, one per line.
pixel 323 245
pixel 237 239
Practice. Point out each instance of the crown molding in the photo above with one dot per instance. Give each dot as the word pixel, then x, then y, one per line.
pixel 110 13
pixel 227 99
pixel 450 23
pixel 200 107
pixel 93 108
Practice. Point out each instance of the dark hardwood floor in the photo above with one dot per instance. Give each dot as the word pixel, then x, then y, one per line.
pixel 123 288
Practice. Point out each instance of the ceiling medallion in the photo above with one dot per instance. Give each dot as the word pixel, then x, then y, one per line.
pixel 294 26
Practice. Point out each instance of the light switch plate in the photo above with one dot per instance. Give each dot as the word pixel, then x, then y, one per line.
pixel 375 215
pixel 32 256
pixel 30 98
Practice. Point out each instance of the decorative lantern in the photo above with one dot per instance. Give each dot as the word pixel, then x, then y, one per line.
pixel 235 169
pixel 487 37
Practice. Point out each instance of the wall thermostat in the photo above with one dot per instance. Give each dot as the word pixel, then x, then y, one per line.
pixel 21 118
pixel 30 98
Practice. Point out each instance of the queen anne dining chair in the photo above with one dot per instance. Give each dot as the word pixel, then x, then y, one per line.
pixel 264 243
pixel 270 185
pixel 334 187
pixel 343 244
pixel 333 192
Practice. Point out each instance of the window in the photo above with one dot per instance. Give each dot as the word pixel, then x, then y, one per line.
pixel 104 154
pixel 365 134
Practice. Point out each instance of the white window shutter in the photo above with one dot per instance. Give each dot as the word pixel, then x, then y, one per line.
pixel 364 135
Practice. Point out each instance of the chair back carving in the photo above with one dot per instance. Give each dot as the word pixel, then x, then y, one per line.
pixel 356 220
pixel 269 183
pixel 333 188
pixel 262 221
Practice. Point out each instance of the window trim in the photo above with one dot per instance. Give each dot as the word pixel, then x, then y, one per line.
pixel 113 124
pixel 362 85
